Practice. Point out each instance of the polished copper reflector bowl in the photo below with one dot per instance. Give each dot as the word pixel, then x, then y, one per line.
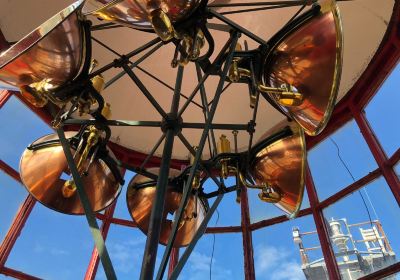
pixel 307 55
pixel 52 53
pixel 281 165
pixel 45 171
pixel 136 13
pixel 140 197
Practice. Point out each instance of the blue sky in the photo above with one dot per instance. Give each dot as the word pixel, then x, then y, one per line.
pixel 56 246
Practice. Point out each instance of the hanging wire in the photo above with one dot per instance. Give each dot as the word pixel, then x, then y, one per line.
pixel 351 175
pixel 213 246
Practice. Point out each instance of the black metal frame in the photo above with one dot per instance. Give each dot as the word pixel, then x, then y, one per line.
pixel 172 125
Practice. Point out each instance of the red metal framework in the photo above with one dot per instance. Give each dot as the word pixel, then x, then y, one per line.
pixel 350 107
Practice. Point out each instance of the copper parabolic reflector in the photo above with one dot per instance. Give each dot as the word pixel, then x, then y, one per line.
pixel 135 13
pixel 44 172
pixel 53 52
pixel 282 166
pixel 140 197
pixel 308 55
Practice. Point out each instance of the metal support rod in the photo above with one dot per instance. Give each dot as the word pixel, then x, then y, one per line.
pixel 257 9
pixel 188 186
pixel 204 101
pixel 323 233
pixel 129 55
pixel 200 232
pixel 145 91
pixel 150 155
pixel 254 4
pixel 153 233
pixel 220 56
pixel 377 151
pixel 166 85
pixel 15 229
pixel 105 227
pixel 94 227
pixel 173 261
pixel 133 65
pixel 219 126
pixel 249 270
pixel 238 28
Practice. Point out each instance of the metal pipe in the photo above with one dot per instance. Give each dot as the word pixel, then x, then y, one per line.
pixel 187 188
pixel 206 110
pixel 94 227
pixel 153 233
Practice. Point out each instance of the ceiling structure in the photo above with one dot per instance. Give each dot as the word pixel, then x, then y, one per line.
pixel 128 104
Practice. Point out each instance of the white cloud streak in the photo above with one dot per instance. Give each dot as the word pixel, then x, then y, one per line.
pixel 277 264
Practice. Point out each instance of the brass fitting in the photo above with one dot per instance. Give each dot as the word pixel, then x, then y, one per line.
pixel 224 146
pixel 162 25
pixel 69 187
pixel 286 96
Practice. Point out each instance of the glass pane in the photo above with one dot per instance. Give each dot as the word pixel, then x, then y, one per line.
pixel 260 210
pixel 21 128
pixel 125 246
pixel 364 229
pixel 224 262
pixel 228 212
pixel 329 160
pixel 53 246
pixel 278 255
pixel 382 112
pixel 397 169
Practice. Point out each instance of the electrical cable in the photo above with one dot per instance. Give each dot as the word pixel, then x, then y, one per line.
pixel 351 175
pixel 213 246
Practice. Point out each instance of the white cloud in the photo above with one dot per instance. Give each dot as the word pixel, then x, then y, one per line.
pixel 276 263
pixel 126 254
pixel 199 265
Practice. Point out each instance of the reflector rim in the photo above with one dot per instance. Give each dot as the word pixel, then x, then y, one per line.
pixel 131 187
pixel 291 28
pixel 298 130
pixel 68 135
pixel 55 21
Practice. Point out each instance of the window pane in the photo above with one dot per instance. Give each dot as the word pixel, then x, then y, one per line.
pixel 278 256
pixel 397 169
pixel 121 210
pixel 21 128
pixel 228 212
pixel 125 246
pixel 12 195
pixel 53 246
pixel 329 160
pixel 382 113
pixel 363 245
pixel 227 259
pixel 260 210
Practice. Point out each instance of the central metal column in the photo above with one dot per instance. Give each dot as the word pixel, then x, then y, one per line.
pixel 153 234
